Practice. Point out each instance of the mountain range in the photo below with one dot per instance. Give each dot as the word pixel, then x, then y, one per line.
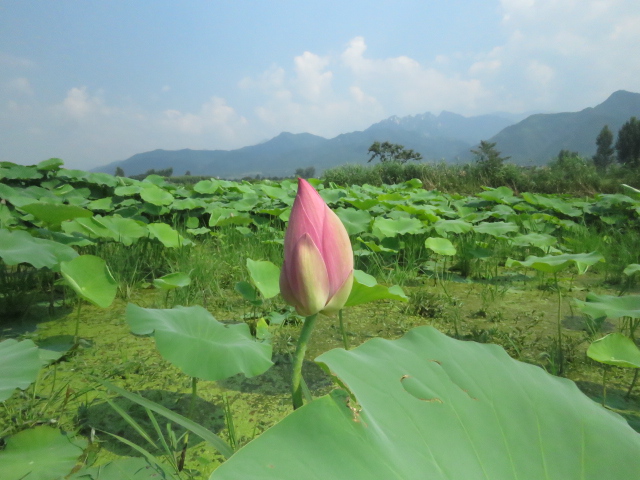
pixel 534 140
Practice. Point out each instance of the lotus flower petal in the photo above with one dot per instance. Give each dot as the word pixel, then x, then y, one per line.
pixel 338 300
pixel 336 251
pixel 307 282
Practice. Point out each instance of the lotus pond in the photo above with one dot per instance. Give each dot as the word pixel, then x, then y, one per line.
pixel 142 334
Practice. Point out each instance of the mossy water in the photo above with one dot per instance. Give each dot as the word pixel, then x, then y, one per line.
pixel 518 312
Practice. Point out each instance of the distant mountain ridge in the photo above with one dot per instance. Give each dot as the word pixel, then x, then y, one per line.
pixel 447 136
pixel 539 138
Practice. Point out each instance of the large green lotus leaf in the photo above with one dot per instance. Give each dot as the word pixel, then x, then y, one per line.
pixel 387 227
pixel 265 276
pixel 52 349
pixel 127 190
pixel 40 453
pixel 354 221
pixel 7 218
pixel 631 269
pixel 441 246
pixel 451 226
pixel 615 349
pixel 552 203
pixel 20 247
pixel 126 468
pixel 90 277
pixel 423 212
pixel 195 342
pixel 427 406
pixel 246 203
pixel 362 203
pixel 557 263
pixel 19 366
pixel 155 195
pixel 277 193
pixel 610 306
pixel 102 204
pixel 366 289
pixel 187 204
pixel 90 227
pixel 172 281
pixel 503 195
pixel 55 214
pixel 540 240
pixel 167 235
pixel 124 230
pixel 16 197
pixel 51 164
pixel 208 187
pixel 21 172
pixel 495 229
pixel 99 178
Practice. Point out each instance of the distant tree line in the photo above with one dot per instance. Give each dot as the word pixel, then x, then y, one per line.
pixel 165 172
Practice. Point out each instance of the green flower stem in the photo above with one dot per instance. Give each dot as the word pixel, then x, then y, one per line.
pixel 345 341
pixel 298 359
pixel 633 383
pixel 560 352
pixel 76 338
pixel 194 395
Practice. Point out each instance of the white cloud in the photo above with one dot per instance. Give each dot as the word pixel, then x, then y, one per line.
pixel 215 117
pixel 78 104
pixel 20 85
pixel 312 81
pixel 404 86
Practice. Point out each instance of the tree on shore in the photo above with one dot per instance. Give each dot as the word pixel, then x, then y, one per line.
pixel 308 172
pixel 488 158
pixel 605 151
pixel 628 143
pixel 119 172
pixel 392 152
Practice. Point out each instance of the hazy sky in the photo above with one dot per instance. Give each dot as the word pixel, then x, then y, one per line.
pixel 93 82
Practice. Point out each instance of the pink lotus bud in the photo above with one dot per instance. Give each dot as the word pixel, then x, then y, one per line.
pixel 317 273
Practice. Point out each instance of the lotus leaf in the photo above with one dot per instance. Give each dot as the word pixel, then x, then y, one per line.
pixel 615 349
pixel 610 306
pixel 265 276
pixel 199 345
pixel 20 247
pixel 366 289
pixel 40 453
pixel 90 277
pixel 19 366
pixel 429 406
pixel 441 246
pixel 557 263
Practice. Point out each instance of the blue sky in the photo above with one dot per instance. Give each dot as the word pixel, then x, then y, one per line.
pixel 95 82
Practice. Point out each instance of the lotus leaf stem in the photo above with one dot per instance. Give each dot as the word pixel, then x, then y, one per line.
pixel 345 341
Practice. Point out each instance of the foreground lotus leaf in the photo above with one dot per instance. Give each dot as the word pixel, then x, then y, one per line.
pixel 615 349
pixel 199 345
pixel 40 453
pixel 610 306
pixel 20 247
pixel 427 406
pixel 557 263
pixel 19 366
pixel 90 277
